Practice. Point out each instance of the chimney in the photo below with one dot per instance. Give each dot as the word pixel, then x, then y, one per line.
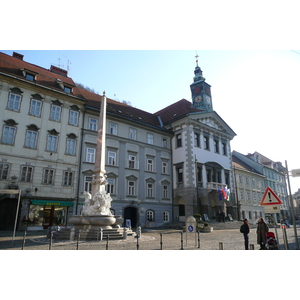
pixel 58 71
pixel 18 55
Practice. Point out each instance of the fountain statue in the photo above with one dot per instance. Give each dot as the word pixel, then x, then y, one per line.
pixel 96 213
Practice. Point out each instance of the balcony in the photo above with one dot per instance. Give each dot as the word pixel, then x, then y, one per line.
pixel 215 186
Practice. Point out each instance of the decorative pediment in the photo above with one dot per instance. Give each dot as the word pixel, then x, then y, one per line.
pixel 131 177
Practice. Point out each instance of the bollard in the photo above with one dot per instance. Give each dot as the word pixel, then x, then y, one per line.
pixel 286 244
pixel 137 243
pixel 161 242
pixel 198 239
pixel 125 233
pixel 107 238
pixel 51 238
pixel 24 238
pixel 78 237
pixel 181 240
pixel 221 246
pixel 251 247
pixel 101 234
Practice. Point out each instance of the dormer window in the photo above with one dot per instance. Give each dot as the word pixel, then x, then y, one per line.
pixel 64 86
pixel 29 75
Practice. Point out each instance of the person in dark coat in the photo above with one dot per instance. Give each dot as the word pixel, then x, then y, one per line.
pixel 245 229
pixel 261 231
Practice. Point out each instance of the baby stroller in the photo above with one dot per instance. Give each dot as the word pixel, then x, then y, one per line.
pixel 271 241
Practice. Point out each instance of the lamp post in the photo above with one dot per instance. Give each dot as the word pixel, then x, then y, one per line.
pixel 292 206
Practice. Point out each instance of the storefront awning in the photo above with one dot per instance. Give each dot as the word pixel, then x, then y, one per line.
pixel 51 203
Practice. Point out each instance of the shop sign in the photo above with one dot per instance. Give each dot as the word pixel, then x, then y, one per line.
pixel 52 203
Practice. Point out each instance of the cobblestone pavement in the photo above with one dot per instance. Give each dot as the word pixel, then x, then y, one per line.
pixel 228 234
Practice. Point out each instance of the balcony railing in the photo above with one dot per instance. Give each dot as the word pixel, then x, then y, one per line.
pixel 215 186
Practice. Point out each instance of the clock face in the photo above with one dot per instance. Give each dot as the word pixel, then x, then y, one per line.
pixel 207 98
pixel 198 99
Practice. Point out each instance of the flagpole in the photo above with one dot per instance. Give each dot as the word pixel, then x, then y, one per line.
pixel 292 206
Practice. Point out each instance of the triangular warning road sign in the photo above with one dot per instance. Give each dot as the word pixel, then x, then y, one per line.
pixel 270 198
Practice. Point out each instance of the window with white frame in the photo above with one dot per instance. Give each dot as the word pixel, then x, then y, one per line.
pixel 150 164
pixel 90 155
pixel 4 169
pixel 150 189
pixel 88 184
pixel 165 167
pixel 150 138
pixel 71 146
pixel 164 143
pixel 150 216
pixel 55 112
pixel 26 173
pixel 165 191
pixel 14 99
pixel 131 188
pixel 68 178
pixel 166 216
pixel 48 176
pixel 113 128
pixel 132 133
pixel 31 139
pixel 112 158
pixel 242 196
pixel 35 108
pixel 132 162
pixel 93 124
pixel 110 187
pixel 9 132
pixel 197 139
pixel 178 140
pixel 73 117
pixel 52 141
pixel 248 196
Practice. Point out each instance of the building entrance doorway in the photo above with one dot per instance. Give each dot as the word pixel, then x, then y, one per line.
pixel 8 209
pixel 131 213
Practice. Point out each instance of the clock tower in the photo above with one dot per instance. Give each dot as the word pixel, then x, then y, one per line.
pixel 201 94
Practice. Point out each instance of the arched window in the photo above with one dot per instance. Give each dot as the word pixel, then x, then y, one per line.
pixel 150 215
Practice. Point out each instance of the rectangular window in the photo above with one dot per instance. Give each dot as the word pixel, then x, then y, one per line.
pixel 206 143
pixel 48 176
pixel 178 140
pixel 150 165
pixel 26 174
pixel 110 187
pixel 88 184
pixel 14 102
pixel 73 117
pixel 67 89
pixel 113 129
pixel 31 139
pixel 166 216
pixel 165 191
pixel 150 138
pixel 35 108
pixel 71 147
pixel 131 188
pixel 149 190
pixel 165 167
pixel 90 155
pixel 55 113
pixel 164 143
pixel 52 143
pixel 68 178
pixel 93 124
pixel 29 77
pixel 132 134
pixel 180 174
pixel 4 168
pixel 216 146
pixel 197 140
pixel 8 136
pixel 224 148
pixel 132 163
pixel 112 158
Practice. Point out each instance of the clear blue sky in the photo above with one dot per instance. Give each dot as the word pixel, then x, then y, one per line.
pixel 256 92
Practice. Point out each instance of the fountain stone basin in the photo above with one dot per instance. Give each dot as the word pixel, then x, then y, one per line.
pixel 103 221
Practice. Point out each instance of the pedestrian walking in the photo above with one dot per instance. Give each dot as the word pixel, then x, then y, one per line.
pixel 245 229
pixel 261 231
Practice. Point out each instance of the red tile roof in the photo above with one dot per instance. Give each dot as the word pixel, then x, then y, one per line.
pixel 176 111
pixel 12 66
